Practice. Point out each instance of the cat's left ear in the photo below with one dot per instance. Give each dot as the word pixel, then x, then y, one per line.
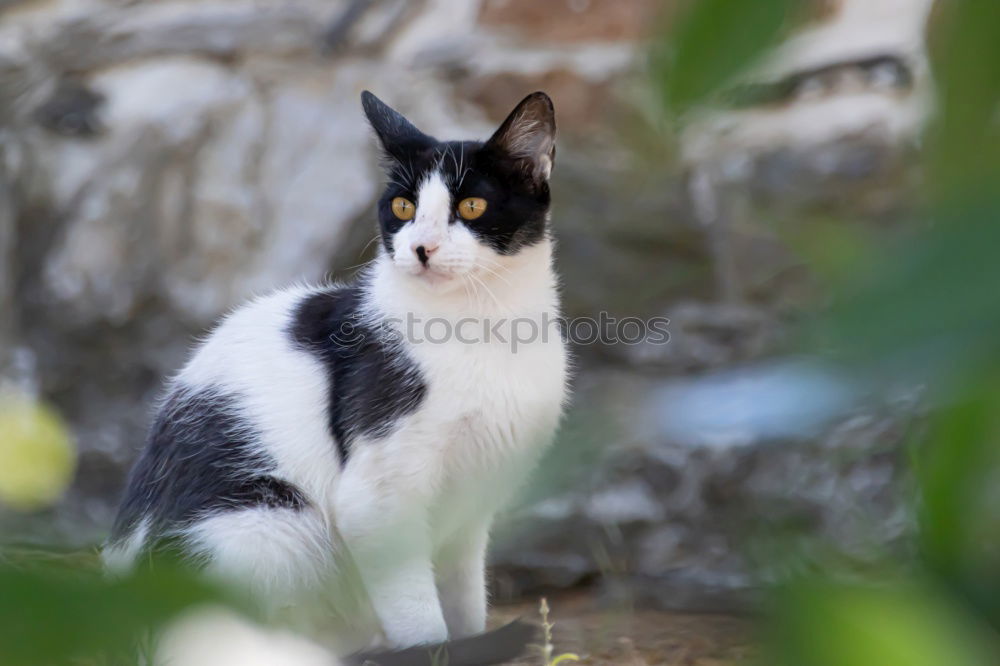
pixel 399 138
pixel 529 136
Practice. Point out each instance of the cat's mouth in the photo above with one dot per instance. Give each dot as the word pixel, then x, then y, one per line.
pixel 433 275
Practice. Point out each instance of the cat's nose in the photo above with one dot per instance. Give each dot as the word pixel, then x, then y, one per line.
pixel 424 252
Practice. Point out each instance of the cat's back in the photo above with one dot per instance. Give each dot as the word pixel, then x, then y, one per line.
pixel 256 341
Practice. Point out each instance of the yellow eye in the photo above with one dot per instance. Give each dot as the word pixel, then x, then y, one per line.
pixel 471 208
pixel 403 208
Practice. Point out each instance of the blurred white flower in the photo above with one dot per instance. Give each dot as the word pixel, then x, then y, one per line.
pixel 214 636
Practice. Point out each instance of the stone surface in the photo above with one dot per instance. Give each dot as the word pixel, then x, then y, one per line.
pixel 572 20
pixel 702 517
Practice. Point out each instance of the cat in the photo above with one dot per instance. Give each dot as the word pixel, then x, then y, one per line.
pixel 338 432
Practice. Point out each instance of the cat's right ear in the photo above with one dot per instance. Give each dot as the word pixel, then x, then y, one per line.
pixel 399 138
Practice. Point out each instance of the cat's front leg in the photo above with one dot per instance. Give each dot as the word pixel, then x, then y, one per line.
pixel 460 568
pixel 387 534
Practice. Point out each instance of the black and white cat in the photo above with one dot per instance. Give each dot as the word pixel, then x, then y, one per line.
pixel 313 433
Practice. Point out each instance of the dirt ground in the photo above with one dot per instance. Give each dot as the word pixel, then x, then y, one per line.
pixel 635 638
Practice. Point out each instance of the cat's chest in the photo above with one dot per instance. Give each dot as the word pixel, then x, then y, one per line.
pixel 488 399
pixel 489 414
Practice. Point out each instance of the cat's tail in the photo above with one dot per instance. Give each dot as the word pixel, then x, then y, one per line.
pixel 493 647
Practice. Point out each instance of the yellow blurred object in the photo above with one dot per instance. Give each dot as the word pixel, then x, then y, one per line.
pixel 37 455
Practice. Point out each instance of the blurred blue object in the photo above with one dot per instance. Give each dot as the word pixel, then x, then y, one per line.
pixel 779 400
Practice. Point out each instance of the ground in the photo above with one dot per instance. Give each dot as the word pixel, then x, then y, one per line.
pixel 636 638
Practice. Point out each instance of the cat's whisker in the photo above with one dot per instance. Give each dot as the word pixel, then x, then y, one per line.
pixel 489 291
pixel 475 289
pixel 465 286
pixel 362 264
pixel 482 299
pixel 494 274
pixel 497 269
pixel 496 264
pixel 369 244
pixel 454 162
pixel 463 170
pixel 407 171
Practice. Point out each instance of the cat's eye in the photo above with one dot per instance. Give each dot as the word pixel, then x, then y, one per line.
pixel 403 208
pixel 471 208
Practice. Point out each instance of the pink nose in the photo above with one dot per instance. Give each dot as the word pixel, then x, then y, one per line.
pixel 424 252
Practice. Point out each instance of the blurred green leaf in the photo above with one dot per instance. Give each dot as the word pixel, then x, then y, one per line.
pixel 714 41
pixel 821 624
pixel 959 473
pixel 963 140
pixel 934 304
pixel 830 247
pixel 52 615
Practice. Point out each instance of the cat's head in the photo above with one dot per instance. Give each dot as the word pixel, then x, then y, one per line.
pixel 454 208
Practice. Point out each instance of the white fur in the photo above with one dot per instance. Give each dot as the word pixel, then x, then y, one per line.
pixel 120 558
pixel 215 636
pixel 278 553
pixel 410 512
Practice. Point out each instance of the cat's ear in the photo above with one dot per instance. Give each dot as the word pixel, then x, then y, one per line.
pixel 528 135
pixel 399 138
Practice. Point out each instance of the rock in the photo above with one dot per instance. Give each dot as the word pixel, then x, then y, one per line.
pixel 709 336
pixel 572 20
pixel 581 103
pixel 702 522
pixel 214 29
pixel 72 111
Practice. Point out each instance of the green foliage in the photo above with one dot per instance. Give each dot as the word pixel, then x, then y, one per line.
pixel 959 472
pixel 714 41
pixel 55 612
pixel 963 143
pixel 904 624
pixel 933 301
pixel 928 310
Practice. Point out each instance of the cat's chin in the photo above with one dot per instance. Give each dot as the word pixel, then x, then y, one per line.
pixel 436 281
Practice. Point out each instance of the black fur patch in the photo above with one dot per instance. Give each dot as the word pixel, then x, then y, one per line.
pixel 372 380
pixel 200 457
